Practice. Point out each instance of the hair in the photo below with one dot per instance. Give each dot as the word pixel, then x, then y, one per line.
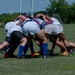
pixel 41 17
pixel 29 17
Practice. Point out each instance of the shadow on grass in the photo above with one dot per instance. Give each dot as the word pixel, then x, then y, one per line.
pixel 40 56
pixel 56 54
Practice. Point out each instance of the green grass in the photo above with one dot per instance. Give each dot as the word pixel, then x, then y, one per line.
pixel 56 65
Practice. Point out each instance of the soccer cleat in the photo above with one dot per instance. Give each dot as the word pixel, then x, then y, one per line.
pixel 34 54
pixel 6 56
pixel 65 53
pixel 71 54
pixel 44 56
pixel 9 56
pixel 71 50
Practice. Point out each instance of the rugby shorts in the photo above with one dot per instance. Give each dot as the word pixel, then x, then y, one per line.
pixel 53 29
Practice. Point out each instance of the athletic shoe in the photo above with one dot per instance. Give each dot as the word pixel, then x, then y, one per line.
pixel 65 53
pixel 71 50
pixel 9 56
pixel 70 54
pixel 46 56
pixel 6 56
pixel 34 54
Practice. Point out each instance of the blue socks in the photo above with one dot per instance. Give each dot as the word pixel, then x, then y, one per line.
pixel 25 49
pixel 44 48
pixel 21 49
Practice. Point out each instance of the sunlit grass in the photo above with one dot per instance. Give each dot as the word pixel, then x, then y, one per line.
pixel 56 65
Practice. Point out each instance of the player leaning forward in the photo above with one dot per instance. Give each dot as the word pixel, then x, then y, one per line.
pixel 31 27
pixel 54 27
pixel 15 34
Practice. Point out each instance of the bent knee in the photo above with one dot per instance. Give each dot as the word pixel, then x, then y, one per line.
pixel 23 40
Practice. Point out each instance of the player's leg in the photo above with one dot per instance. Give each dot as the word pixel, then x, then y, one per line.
pixel 10 52
pixel 21 38
pixel 66 43
pixel 44 45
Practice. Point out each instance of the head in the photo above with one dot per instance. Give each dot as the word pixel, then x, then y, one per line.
pixel 21 19
pixel 41 17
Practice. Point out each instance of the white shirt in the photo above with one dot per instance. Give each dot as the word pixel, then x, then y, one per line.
pixel 15 28
pixel 10 25
pixel 55 21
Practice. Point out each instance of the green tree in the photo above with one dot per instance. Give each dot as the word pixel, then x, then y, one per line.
pixel 59 7
pixel 43 12
pixel 71 13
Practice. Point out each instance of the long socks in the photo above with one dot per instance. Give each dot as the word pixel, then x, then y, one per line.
pixel 44 49
pixel 21 49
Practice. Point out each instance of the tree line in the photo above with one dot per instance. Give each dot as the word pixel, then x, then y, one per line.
pixel 65 10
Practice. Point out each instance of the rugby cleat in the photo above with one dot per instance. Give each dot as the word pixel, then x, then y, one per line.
pixel 71 50
pixel 34 54
pixel 65 53
pixel 70 54
pixel 9 56
pixel 6 56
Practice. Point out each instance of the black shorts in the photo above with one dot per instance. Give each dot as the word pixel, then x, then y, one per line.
pixel 17 35
pixel 9 40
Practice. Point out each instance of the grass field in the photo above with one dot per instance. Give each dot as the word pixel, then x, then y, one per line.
pixel 56 65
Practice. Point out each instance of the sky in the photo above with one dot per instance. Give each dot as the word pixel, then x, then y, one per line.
pixel 12 6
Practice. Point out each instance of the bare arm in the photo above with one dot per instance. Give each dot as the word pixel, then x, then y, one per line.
pixel 21 17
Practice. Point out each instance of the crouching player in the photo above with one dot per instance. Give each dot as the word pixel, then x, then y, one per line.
pixel 15 34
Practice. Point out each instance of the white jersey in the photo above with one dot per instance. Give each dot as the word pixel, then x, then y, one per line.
pixel 10 25
pixel 27 19
pixel 54 28
pixel 15 28
pixel 55 21
pixel 31 27
pixel 39 21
